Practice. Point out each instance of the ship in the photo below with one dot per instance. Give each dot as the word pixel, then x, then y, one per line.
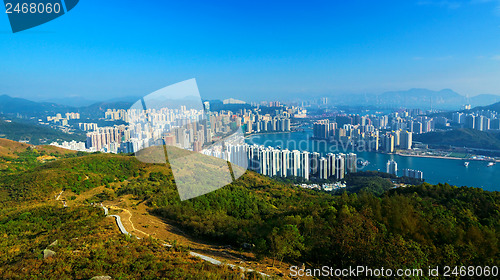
pixel 491 164
pixel 466 164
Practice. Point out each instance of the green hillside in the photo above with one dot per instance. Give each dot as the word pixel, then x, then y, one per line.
pixel 413 227
pixel 492 107
pixel 463 137
pixel 88 245
pixel 34 134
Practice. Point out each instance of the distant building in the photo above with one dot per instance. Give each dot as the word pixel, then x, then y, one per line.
pixel 323 168
pixel 314 163
pixel 206 105
pixel 486 124
pixel 495 124
pixel 417 127
pixel 458 117
pixel 479 123
pixel 406 140
pixel 340 166
pixel 389 143
pixel 415 174
pixel 392 167
pixel 470 121
pixel 321 129
pixel 351 163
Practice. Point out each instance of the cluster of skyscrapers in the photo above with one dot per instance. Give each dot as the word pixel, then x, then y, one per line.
pixel 481 120
pixel 254 121
pixel 58 119
pixel 273 162
pixel 107 138
pixel 362 135
pixel 185 128
pixel 345 126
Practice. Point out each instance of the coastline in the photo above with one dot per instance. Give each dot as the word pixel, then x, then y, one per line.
pixel 396 153
pixel 444 157
pixel 266 133
pixel 428 156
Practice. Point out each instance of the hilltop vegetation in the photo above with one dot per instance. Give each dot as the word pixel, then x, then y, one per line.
pixel 35 134
pixel 411 227
pixel 492 107
pixel 86 245
pixel 462 137
pixel 11 149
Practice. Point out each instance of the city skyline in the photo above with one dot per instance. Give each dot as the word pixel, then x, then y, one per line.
pixel 249 139
pixel 241 50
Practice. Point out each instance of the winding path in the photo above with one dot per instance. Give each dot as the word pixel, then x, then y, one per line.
pixel 129 219
pixel 191 253
pixel 59 196
pixel 118 221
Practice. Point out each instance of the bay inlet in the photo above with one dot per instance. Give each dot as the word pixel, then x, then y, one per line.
pixel 436 170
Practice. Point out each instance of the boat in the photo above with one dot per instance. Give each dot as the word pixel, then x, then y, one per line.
pixel 466 164
pixel 363 162
pixel 491 164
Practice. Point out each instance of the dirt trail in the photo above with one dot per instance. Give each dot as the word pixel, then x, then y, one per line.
pixel 127 221
pixel 59 196
pixel 139 222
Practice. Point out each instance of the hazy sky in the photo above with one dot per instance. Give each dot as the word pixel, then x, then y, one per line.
pixel 255 49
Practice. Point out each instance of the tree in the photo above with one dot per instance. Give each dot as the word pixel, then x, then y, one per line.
pixel 286 242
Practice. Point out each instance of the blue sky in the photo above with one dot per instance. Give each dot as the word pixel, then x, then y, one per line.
pixel 255 49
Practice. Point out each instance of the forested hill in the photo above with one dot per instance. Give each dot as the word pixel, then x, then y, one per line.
pixel 413 227
pixel 492 107
pixel 462 137
pixel 35 133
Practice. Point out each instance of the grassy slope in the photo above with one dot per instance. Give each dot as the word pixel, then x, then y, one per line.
pixel 89 244
pixel 426 225
pixel 9 148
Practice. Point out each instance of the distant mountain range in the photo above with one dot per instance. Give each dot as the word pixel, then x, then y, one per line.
pixel 75 101
pixel 11 105
pixel 445 99
pixel 78 101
